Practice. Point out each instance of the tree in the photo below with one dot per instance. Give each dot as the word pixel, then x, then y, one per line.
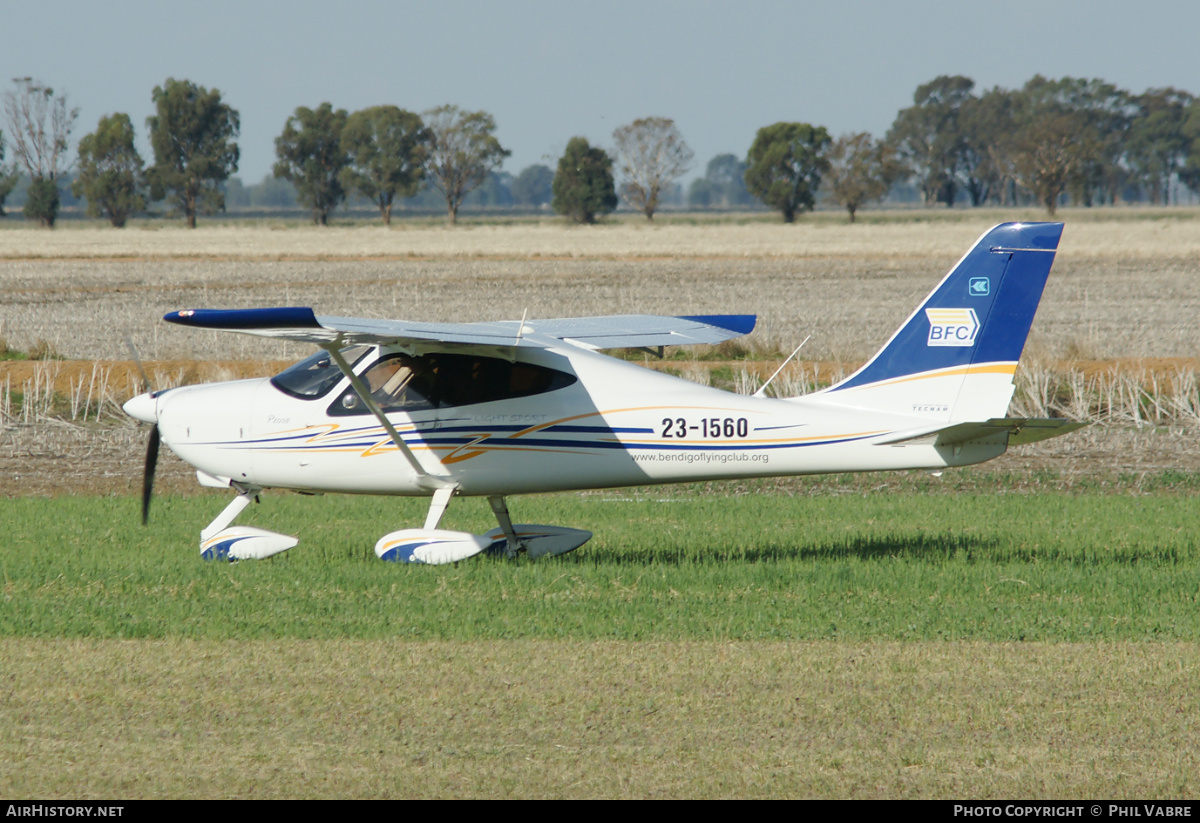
pixel 860 170
pixel 1190 175
pixel 701 194
pixel 387 147
pixel 583 185
pixel 272 193
pixel 8 177
pixel 985 125
pixel 727 175
pixel 1157 145
pixel 463 150
pixel 650 154
pixel 42 201
pixel 722 186
pixel 1051 152
pixel 39 127
pixel 237 196
pixel 979 122
pixel 1102 113
pixel 110 171
pixel 532 188
pixel 785 165
pixel 193 135
pixel 312 157
pixel 494 192
pixel 927 136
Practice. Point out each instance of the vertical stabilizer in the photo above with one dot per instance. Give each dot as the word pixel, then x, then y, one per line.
pixel 954 358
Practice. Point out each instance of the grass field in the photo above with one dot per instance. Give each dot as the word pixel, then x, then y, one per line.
pixel 931 642
pixel 742 562
pixel 1030 628
pixel 352 718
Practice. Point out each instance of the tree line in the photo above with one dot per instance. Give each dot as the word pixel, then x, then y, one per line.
pixel 1086 142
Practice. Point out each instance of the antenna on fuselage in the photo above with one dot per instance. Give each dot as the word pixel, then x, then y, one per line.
pixel 763 387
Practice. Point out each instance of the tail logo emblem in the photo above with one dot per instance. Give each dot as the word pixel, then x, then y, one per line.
pixel 979 286
pixel 952 327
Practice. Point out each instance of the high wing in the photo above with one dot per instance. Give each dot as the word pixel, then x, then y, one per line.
pixel 610 332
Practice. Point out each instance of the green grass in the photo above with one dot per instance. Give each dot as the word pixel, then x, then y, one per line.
pixel 882 626
pixel 355 719
pixel 752 561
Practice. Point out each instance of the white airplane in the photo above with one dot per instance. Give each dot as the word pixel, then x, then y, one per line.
pixel 506 408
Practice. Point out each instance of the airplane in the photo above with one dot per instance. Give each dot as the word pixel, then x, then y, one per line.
pixel 497 409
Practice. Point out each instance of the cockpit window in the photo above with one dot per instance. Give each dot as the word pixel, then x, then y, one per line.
pixel 401 383
pixel 314 376
pixel 396 383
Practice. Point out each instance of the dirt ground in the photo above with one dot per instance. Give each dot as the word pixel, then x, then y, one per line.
pixel 1091 309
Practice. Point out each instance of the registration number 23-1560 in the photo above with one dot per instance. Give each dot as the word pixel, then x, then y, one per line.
pixel 707 427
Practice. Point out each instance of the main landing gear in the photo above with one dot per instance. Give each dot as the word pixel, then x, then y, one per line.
pixel 435 546
pixel 428 545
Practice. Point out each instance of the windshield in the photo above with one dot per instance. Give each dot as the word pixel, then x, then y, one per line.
pixel 314 376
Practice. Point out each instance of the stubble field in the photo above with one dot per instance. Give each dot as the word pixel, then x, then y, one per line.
pixel 975 656
pixel 1120 288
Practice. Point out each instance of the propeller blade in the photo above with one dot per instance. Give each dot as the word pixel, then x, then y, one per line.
pixel 148 473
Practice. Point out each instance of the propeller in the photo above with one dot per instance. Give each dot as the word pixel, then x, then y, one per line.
pixel 148 415
pixel 148 473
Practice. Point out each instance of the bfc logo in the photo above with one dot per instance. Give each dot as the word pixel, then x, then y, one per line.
pixel 952 327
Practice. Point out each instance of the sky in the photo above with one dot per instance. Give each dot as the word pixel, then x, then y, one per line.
pixel 548 71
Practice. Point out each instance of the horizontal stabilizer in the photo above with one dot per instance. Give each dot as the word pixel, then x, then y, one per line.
pixel 621 331
pixel 1020 431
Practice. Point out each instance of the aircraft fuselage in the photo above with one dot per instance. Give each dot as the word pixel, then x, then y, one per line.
pixel 617 424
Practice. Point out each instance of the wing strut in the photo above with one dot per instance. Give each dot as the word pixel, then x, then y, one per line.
pixel 364 394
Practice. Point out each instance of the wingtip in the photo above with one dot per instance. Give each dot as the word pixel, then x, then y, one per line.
pixel 737 323
pixel 287 317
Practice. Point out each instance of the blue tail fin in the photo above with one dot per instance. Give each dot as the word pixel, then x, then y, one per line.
pixel 974 323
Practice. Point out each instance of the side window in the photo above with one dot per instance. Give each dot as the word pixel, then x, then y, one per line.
pixel 396 382
pixel 402 383
pixel 464 379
